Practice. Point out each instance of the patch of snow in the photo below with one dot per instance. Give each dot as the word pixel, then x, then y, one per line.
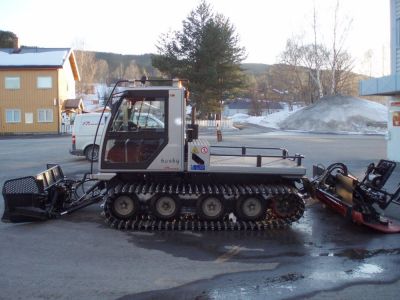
pixel 238 117
pixel 188 109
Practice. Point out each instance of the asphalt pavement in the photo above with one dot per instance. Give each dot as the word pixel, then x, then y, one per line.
pixel 323 256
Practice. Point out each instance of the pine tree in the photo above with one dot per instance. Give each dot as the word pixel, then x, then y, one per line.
pixel 7 39
pixel 206 51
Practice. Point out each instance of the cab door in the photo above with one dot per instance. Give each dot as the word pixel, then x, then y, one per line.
pixel 137 132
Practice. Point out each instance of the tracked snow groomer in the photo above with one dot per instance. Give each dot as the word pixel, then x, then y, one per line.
pixel 361 201
pixel 159 175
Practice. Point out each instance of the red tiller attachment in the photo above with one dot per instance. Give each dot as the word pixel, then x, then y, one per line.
pixel 358 200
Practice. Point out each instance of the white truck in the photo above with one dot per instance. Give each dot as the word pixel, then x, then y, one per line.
pixel 84 130
pixel 83 133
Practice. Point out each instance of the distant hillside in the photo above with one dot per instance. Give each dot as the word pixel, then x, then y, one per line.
pixel 114 60
pixel 144 61
pixel 255 69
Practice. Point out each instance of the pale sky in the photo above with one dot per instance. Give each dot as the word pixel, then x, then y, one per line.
pixel 133 27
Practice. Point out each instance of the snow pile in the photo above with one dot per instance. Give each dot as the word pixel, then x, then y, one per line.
pixel 336 114
pixel 239 117
pixel 270 121
pixel 339 114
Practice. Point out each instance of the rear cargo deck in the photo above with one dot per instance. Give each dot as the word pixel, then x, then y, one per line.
pixel 247 160
pixel 248 164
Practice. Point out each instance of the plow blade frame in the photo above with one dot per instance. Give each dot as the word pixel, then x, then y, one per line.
pixel 28 199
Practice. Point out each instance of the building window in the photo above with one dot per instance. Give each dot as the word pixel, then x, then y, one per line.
pixel 13 115
pixel 45 115
pixel 29 118
pixel 44 82
pixel 12 83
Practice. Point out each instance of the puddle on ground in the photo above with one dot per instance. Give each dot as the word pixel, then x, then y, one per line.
pixel 303 227
pixel 363 271
pixel 230 247
pixel 366 270
pixel 359 254
pixel 289 277
pixel 281 285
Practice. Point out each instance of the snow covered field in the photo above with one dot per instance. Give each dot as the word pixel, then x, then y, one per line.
pixel 337 114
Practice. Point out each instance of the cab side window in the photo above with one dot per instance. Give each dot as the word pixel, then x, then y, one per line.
pixel 140 114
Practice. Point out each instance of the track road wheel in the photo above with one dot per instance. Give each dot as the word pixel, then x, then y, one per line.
pixel 125 207
pixel 210 208
pixel 250 208
pixel 165 207
pixel 285 205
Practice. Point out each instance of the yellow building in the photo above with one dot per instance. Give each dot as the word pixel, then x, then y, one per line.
pixel 34 83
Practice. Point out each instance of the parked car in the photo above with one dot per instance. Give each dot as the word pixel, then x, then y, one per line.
pixel 148 121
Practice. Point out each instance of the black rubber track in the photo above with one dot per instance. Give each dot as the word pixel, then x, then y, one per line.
pixel 147 222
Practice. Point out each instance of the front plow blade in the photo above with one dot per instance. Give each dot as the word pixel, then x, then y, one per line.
pixel 31 198
pixel 24 200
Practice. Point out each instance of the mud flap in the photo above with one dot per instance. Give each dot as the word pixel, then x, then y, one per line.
pixel 26 199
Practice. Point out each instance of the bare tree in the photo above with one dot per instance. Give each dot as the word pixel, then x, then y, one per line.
pixel 253 94
pixel 316 58
pixel 313 56
pixel 329 68
pixel 132 71
pixel 102 70
pixel 118 72
pixel 340 60
pixel 367 62
pixel 87 67
pixel 306 58
pixel 292 57
pixel 263 85
pixel 344 76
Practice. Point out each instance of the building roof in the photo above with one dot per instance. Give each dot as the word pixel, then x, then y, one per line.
pixel 382 86
pixel 37 58
pixel 70 104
